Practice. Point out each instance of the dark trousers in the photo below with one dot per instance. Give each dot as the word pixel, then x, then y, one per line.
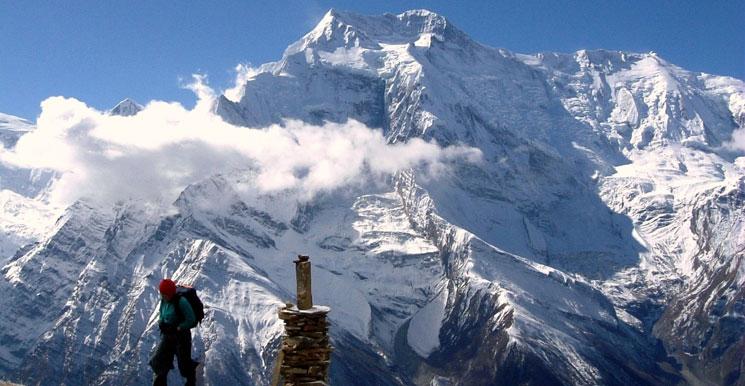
pixel 178 344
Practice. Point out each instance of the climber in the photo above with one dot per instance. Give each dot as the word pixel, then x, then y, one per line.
pixel 176 318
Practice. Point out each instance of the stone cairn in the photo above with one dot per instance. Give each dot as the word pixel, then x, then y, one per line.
pixel 306 352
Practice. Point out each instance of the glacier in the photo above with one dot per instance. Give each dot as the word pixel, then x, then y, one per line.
pixel 600 240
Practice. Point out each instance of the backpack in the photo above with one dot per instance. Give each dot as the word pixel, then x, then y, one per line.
pixel 190 293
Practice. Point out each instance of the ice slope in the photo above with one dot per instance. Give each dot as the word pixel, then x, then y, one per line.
pixel 598 243
pixel 542 325
pixel 680 188
pixel 688 205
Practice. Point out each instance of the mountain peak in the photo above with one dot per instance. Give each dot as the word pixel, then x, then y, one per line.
pixel 11 129
pixel 407 21
pixel 126 108
pixel 347 29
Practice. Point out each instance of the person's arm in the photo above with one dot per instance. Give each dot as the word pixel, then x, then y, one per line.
pixel 188 313
pixel 164 327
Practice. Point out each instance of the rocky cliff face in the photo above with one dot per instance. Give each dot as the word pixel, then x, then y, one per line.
pixel 599 241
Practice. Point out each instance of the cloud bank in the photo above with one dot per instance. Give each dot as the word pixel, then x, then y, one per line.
pixel 153 155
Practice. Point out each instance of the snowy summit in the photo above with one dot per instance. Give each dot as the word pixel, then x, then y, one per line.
pixel 126 108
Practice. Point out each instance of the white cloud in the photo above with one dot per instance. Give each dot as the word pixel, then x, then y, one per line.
pixel 154 155
pixel 737 142
pixel 244 72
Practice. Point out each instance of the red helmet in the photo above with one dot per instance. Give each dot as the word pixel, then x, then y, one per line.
pixel 167 287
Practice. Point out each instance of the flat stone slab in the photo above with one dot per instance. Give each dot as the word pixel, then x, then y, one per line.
pixel 315 310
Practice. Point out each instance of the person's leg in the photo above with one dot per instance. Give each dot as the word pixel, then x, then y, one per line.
pixel 186 365
pixel 161 379
pixel 162 360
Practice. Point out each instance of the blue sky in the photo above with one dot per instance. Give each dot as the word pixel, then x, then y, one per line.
pixel 102 51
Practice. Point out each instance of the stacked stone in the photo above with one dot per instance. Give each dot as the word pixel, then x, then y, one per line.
pixel 305 347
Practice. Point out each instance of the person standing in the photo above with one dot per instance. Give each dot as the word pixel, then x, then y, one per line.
pixel 176 318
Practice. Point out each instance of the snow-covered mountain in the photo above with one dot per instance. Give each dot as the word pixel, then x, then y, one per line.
pixel 23 218
pixel 600 241
pixel 126 108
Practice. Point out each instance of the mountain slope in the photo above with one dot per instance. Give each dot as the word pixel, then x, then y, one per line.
pixel 23 218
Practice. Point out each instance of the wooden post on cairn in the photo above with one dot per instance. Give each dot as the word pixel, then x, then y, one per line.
pixel 306 352
pixel 304 292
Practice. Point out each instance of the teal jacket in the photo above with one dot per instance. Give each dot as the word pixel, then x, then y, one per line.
pixel 169 315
